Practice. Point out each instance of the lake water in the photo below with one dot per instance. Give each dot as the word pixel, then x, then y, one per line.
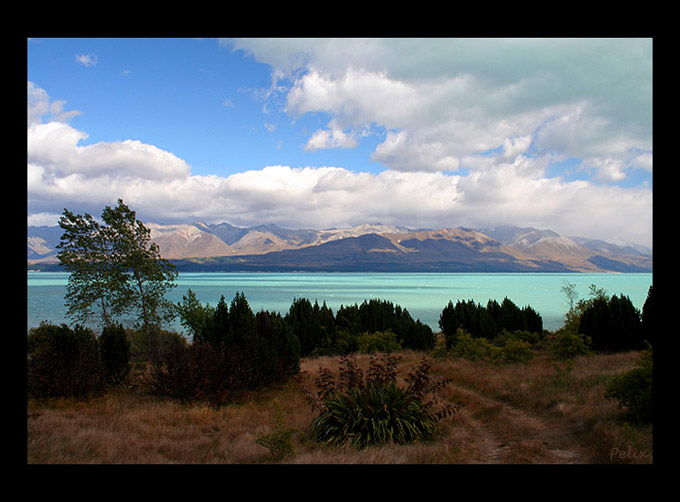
pixel 423 295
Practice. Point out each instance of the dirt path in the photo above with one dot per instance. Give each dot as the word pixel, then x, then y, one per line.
pixel 506 434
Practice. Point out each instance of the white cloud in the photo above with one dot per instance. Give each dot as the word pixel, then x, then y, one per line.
pixel 86 59
pixel 443 99
pixel 56 147
pixel 505 191
pixel 39 105
pixel 333 138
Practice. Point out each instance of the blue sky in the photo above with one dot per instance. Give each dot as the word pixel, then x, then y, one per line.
pixel 311 133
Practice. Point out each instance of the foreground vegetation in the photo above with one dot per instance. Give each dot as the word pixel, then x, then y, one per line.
pixel 544 411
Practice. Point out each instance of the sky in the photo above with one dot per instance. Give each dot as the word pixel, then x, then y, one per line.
pixel 320 133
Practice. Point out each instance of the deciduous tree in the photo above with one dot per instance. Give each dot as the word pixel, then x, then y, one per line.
pixel 114 267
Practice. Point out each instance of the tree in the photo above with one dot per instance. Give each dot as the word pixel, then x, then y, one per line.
pixel 305 324
pixel 569 291
pixel 613 324
pixel 197 318
pixel 114 266
pixel 150 276
pixel 96 280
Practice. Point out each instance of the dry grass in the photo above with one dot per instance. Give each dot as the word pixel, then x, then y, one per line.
pixel 508 414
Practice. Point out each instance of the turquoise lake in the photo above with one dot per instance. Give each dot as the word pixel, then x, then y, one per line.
pixel 423 295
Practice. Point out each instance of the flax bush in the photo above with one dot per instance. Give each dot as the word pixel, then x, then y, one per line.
pixel 375 410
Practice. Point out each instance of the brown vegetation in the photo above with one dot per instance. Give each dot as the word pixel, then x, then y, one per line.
pixel 544 411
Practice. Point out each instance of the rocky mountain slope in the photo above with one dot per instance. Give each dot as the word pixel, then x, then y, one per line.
pixel 373 247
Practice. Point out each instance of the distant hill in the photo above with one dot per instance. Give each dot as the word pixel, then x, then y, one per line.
pixel 371 247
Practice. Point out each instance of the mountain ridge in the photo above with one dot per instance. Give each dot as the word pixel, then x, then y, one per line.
pixel 372 247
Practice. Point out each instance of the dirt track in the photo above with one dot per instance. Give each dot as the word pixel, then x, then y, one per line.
pixel 503 433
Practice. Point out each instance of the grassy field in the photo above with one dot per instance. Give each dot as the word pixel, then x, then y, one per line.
pixel 541 412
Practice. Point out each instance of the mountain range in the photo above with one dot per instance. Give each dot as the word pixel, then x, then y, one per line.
pixel 371 247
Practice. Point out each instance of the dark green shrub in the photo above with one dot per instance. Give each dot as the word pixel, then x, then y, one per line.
pixel 114 349
pixel 509 348
pixel 633 389
pixel 516 350
pixel 278 349
pixel 473 349
pixel 63 362
pixel 380 341
pixel 375 410
pixel 531 337
pixel 239 351
pixel 613 324
pixel 344 342
pixel 309 324
pixel 173 370
pixel 487 321
pixel 567 344
pixel 382 315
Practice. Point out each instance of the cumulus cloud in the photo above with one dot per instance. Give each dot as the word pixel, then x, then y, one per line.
pixel 442 99
pixel 499 189
pixel 334 137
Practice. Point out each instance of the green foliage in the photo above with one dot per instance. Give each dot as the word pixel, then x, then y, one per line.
pixel 380 341
pixel 63 362
pixel 96 281
pixel 516 351
pixel 343 342
pixel 233 350
pixel 487 321
pixel 567 344
pixel 612 324
pixel 322 333
pixel 634 389
pixel 508 348
pixel 278 349
pixel 375 414
pixel 279 441
pixel 375 410
pixel 309 323
pixel 381 316
pixel 115 268
pixel 195 317
pixel 531 338
pixel 473 348
pixel 114 349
